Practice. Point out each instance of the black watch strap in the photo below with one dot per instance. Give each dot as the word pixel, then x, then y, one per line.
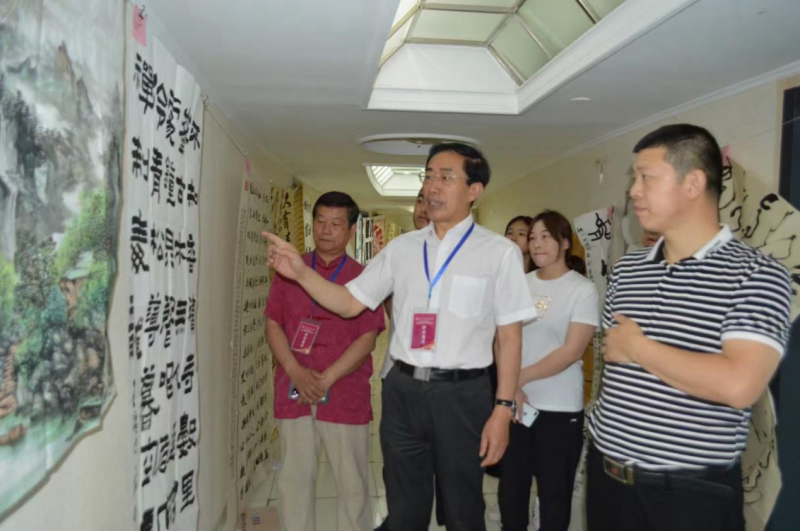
pixel 507 403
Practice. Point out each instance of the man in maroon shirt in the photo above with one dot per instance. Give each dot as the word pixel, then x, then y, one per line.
pixel 322 390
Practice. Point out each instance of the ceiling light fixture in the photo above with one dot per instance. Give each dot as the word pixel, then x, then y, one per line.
pixel 395 180
pixel 415 144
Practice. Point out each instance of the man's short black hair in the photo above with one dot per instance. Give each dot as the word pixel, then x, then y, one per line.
pixel 338 200
pixel 475 164
pixel 689 147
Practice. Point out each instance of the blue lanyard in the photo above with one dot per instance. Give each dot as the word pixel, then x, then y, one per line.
pixel 446 263
pixel 332 279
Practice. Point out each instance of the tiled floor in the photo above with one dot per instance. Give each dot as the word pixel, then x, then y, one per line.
pixel 326 508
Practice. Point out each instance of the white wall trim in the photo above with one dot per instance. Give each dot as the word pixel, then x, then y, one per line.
pixel 783 72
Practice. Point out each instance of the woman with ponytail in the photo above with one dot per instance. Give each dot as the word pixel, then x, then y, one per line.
pixel 551 380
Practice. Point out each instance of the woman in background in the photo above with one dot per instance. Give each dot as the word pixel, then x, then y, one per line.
pixel 517 231
pixel 551 380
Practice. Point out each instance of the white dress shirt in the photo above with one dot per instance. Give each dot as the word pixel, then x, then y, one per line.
pixel 483 287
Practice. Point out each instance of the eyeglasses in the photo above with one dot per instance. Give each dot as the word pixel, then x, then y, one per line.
pixel 444 176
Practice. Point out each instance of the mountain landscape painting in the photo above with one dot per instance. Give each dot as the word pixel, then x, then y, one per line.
pixel 61 126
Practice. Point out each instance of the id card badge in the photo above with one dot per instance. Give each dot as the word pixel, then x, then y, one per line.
pixel 423 329
pixel 305 336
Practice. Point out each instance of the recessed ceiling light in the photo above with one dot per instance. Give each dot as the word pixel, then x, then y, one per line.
pixel 580 99
pixel 395 180
pixel 417 144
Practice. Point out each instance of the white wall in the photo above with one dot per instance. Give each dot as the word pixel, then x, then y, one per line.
pixel 405 220
pixel 92 490
pixel 748 122
pixel 222 171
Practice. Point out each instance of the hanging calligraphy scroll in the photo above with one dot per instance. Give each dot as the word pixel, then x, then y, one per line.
pixel 378 234
pixel 280 209
pixel 61 127
pixel 252 420
pixel 594 231
pixel 163 141
pixel 310 197
pixel 296 219
pixel 763 220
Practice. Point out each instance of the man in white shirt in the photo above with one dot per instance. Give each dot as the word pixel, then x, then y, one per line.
pixel 454 284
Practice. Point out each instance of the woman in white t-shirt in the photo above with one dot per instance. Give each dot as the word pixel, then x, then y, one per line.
pixel 551 380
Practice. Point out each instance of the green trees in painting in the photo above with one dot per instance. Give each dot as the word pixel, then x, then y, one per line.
pixel 53 306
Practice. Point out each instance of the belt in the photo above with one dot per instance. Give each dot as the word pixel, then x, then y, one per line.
pixel 631 474
pixel 430 374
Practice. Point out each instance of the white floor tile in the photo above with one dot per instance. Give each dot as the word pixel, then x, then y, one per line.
pixel 259 496
pixel 327 512
pixel 373 486
pixel 377 475
pixel 375 455
pixel 378 511
pixel 375 425
pixel 383 507
pixel 490 484
pixel 375 402
pixel 273 494
pixel 493 526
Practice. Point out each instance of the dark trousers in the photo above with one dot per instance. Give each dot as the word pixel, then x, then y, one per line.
pixel 437 489
pixel 670 502
pixel 550 450
pixel 434 428
pixel 493 470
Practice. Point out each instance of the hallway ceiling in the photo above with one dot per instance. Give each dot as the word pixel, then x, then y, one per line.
pixel 297 76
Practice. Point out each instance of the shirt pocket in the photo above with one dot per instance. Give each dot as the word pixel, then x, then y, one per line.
pixel 466 296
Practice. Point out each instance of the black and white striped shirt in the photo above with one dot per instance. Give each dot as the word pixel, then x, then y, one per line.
pixel 727 290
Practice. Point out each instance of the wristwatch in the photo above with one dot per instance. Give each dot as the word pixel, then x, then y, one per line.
pixel 508 403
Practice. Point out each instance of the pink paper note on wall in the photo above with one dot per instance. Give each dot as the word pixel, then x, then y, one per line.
pixel 139 26
pixel 247 166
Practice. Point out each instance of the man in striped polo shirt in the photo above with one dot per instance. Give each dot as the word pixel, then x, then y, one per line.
pixel 695 327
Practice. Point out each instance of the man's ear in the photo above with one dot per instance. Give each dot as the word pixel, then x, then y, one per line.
pixel 475 191
pixel 695 183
